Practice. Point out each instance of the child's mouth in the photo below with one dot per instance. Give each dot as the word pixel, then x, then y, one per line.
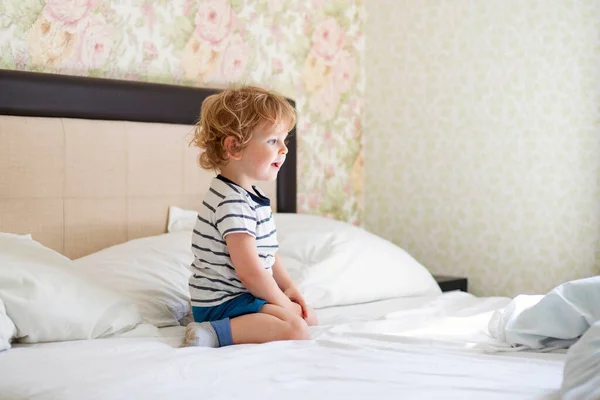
pixel 276 165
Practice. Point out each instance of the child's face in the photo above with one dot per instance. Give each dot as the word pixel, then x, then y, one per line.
pixel 265 153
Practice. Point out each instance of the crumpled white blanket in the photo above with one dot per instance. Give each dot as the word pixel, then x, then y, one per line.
pixel 551 321
pixel 581 377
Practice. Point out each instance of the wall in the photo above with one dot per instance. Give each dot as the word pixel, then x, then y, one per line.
pixel 482 117
pixel 483 137
pixel 310 51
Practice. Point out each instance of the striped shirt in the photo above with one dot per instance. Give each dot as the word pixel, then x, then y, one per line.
pixel 228 208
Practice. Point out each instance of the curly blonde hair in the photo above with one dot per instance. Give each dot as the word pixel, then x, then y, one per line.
pixel 237 112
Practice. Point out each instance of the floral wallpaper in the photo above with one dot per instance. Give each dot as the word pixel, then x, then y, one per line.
pixel 310 51
pixel 483 152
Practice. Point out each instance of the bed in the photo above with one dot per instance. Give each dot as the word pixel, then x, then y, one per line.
pixel 97 179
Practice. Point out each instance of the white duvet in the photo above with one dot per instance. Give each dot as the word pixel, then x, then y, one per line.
pixel 556 319
pixel 425 348
pixel 568 316
pixel 582 367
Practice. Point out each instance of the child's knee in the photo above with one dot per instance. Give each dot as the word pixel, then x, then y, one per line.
pixel 296 329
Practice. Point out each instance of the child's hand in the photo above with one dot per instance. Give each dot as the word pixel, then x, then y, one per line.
pixel 294 295
pixel 294 308
pixel 307 313
pixel 311 317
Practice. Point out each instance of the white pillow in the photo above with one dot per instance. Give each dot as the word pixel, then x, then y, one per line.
pixel 49 300
pixel 181 220
pixel 153 272
pixel 335 263
pixel 7 328
pixel 14 235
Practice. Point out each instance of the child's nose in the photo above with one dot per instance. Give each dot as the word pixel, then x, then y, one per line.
pixel 283 149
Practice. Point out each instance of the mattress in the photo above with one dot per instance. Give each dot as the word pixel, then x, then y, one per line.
pixel 425 348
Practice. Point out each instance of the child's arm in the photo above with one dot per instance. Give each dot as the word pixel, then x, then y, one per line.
pixel 283 279
pixel 286 284
pixel 242 248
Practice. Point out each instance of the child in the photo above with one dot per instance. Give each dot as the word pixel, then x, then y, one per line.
pixel 240 291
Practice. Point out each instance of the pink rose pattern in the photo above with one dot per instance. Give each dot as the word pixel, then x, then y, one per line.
pixel 221 44
pixel 235 59
pixel 329 70
pixel 89 36
pixel 328 39
pixel 329 78
pixel 70 13
pixel 214 22
pixel 216 31
pixel 95 43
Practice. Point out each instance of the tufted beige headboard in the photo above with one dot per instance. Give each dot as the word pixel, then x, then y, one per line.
pixel 80 185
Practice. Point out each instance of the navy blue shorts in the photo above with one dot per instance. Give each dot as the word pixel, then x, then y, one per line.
pixel 243 304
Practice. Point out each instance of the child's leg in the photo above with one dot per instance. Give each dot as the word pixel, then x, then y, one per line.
pixel 271 323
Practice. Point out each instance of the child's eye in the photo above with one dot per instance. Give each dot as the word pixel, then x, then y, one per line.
pixel 286 141
pixel 272 141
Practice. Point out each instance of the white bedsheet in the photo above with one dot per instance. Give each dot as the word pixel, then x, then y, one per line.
pixel 424 348
pixel 455 317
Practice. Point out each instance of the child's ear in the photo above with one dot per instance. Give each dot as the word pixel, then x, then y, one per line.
pixel 232 148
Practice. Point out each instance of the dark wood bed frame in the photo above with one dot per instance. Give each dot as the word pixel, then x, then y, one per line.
pixel 52 95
